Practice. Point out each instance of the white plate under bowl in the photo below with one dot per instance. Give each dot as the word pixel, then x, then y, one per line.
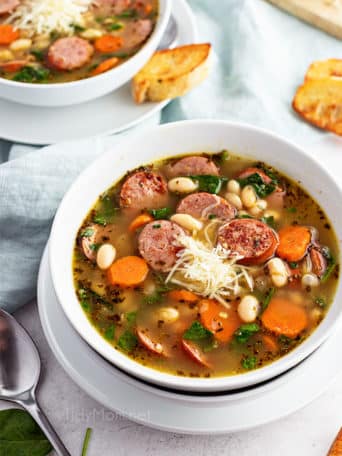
pixel 174 411
pixel 109 114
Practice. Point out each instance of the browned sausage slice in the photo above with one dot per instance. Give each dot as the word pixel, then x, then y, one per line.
pixel 136 33
pixel 144 190
pixel 8 6
pixel 192 166
pixel 151 345
pixel 319 262
pixel 158 244
pixel 70 53
pixel 194 353
pixel 255 241
pixel 250 171
pixel 91 236
pixel 206 205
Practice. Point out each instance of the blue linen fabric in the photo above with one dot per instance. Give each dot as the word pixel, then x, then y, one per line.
pixel 260 57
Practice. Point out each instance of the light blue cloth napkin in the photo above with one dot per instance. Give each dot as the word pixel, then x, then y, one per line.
pixel 261 57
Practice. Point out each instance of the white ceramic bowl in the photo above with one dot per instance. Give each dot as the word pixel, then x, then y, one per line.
pixel 170 140
pixel 70 93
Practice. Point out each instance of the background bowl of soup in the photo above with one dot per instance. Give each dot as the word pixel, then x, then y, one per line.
pixel 101 52
pixel 189 138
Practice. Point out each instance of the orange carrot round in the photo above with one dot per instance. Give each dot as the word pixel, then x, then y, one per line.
pixel 106 65
pixel 140 221
pixel 128 271
pixel 108 43
pixel 294 241
pixel 8 34
pixel 283 317
pixel 183 295
pixel 221 321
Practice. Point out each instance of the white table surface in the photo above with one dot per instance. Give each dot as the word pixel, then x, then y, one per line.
pixel 308 432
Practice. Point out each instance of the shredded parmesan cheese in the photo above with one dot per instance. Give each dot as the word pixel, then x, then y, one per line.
pixel 210 271
pixel 39 17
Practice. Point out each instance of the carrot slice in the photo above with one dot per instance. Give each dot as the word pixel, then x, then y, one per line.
pixel 108 43
pixel 128 271
pixel 284 317
pixel 195 354
pixel 183 295
pixel 14 66
pixel 140 221
pixel 221 321
pixel 294 241
pixel 8 34
pixel 270 343
pixel 106 65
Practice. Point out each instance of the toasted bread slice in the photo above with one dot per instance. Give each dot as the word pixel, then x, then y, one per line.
pixel 336 448
pixel 325 69
pixel 319 101
pixel 172 73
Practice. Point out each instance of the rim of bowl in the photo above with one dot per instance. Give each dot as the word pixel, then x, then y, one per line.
pixel 86 330
pixel 165 7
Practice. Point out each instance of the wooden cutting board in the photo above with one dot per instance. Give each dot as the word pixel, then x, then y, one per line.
pixel 324 14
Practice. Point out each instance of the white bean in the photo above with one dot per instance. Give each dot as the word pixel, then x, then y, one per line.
pixel 234 199
pixel 310 280
pixel 91 34
pixel 21 45
pixel 5 54
pixel 168 314
pixel 233 186
pixel 182 185
pixel 187 221
pixel 255 211
pixel 105 256
pixel 248 196
pixel 278 272
pixel 248 308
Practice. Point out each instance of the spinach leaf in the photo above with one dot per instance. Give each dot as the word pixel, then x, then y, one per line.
pixel 246 331
pixel 261 188
pixel 109 333
pixel 267 298
pixel 320 302
pixel 197 332
pixel 128 14
pixel 249 362
pixel 77 28
pixel 84 299
pixel 223 156
pixel 211 345
pixel 208 183
pixel 160 214
pixel 293 265
pixel 115 26
pixel 86 441
pixel 20 435
pixel 127 341
pixel 131 317
pixel 292 210
pixel 331 264
pixel 269 221
pixel 154 298
pixel 32 74
pixel 88 232
pixel 39 55
pixel 107 211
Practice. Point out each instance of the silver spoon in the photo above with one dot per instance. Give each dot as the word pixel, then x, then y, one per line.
pixel 19 374
pixel 170 35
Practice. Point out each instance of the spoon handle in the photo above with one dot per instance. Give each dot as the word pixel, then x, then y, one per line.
pixel 35 411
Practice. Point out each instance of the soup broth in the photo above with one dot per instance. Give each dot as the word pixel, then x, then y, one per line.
pixel 220 265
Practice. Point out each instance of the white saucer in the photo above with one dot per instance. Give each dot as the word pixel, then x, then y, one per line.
pixel 109 114
pixel 171 411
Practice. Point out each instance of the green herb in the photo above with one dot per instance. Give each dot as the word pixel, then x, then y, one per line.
pixel 211 345
pixel 245 332
pixel 109 333
pixel 321 302
pixel 54 35
pixel 208 183
pixel 197 332
pixel 331 264
pixel 84 299
pixel 212 216
pixel 156 226
pixel 114 27
pixel 284 340
pixel 261 188
pixel 39 55
pixel 244 216
pixel 99 20
pixel 77 28
pixel 21 436
pixel 127 341
pixel 128 14
pixel 223 156
pixel 131 317
pixel 154 298
pixel 107 211
pixel 292 210
pixel 94 247
pixel 32 74
pixel 269 221
pixel 120 55
pixel 293 265
pixel 86 441
pixel 249 362
pixel 267 298
pixel 88 232
pixel 160 214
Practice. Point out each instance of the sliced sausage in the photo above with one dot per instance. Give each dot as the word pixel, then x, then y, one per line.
pixel 204 205
pixel 8 6
pixel 250 171
pixel 136 33
pixel 70 53
pixel 111 6
pixel 158 244
pixel 319 262
pixel 91 236
pixel 144 190
pixel 192 166
pixel 151 345
pixel 195 353
pixel 255 241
